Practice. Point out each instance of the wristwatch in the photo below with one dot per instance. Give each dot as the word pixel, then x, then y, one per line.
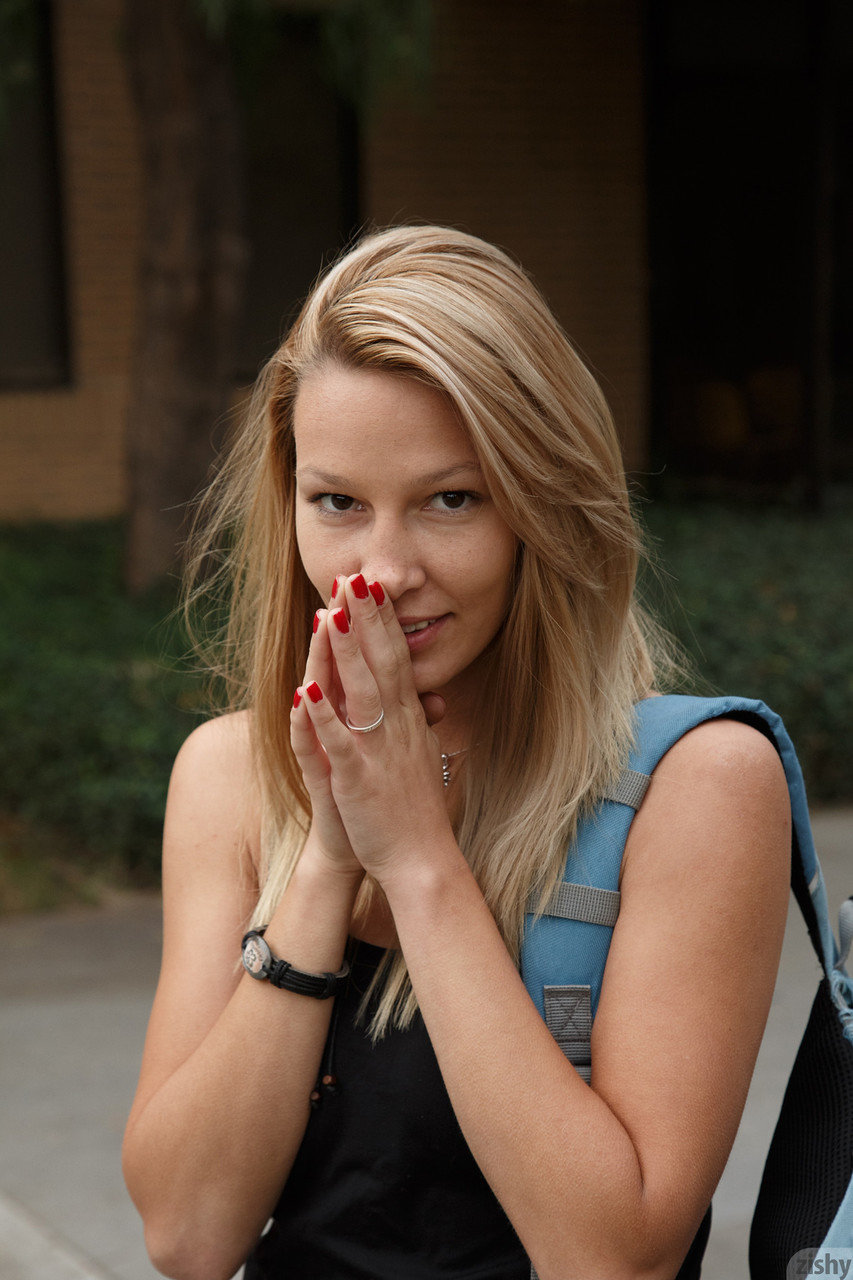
pixel 260 962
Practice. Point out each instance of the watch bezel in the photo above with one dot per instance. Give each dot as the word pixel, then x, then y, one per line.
pixel 258 965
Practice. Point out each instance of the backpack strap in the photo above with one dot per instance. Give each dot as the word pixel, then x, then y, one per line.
pixel 566 939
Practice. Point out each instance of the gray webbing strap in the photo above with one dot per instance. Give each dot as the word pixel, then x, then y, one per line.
pixel 629 788
pixel 568 1011
pixel 584 902
pixel 568 1015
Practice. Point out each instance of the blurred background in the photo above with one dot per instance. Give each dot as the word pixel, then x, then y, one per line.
pixel 676 176
pixel 173 174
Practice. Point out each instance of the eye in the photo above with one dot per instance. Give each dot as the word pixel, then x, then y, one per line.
pixel 334 503
pixel 453 500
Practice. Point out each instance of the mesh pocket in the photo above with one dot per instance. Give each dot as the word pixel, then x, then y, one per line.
pixel 810 1162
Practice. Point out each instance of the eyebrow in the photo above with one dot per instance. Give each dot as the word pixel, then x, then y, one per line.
pixel 333 481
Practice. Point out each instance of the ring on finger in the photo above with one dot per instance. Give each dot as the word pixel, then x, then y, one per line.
pixel 366 728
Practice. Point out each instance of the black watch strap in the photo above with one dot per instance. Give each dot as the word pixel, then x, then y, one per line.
pixel 260 962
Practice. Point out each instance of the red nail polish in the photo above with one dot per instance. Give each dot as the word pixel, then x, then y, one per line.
pixel 334 588
pixel 315 693
pixel 316 621
pixel 297 698
pixel 359 587
pixel 340 620
pixel 376 591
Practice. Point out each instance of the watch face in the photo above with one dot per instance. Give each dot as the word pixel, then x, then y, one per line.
pixel 256 957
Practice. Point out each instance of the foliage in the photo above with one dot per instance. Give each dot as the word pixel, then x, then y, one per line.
pixel 760 600
pixel 93 709
pixel 369 45
pixel 95 702
pixel 18 37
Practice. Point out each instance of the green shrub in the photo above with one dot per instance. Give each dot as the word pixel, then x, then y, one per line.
pixel 761 600
pixel 93 701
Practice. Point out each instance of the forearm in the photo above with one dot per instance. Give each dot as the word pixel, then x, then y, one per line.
pixel 555 1154
pixel 209 1150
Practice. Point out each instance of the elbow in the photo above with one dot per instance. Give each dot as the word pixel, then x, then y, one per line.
pixel 181 1257
pixel 638 1259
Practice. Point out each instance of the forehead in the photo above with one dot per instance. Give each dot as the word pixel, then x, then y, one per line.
pixel 350 416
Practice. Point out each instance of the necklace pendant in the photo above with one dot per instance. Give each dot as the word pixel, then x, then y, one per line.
pixel 445 769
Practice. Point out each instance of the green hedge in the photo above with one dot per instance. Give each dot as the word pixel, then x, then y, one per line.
pixel 761 600
pixel 94 702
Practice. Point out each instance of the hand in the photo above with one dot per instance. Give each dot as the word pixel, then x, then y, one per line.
pixel 327 839
pixel 386 784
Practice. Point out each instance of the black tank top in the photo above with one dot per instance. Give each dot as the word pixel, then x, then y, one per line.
pixel 384 1186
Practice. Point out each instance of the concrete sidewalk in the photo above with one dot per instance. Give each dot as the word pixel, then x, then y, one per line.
pixel 75 992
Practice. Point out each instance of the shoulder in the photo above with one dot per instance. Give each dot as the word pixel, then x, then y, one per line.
pixel 720 788
pixel 722 754
pixel 214 787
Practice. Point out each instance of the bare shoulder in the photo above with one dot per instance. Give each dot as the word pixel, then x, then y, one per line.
pixel 721 785
pixel 214 802
pixel 726 755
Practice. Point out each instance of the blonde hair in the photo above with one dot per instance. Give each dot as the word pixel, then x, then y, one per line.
pixel 575 651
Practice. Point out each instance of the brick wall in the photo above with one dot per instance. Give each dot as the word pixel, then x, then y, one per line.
pixel 62 451
pixel 531 135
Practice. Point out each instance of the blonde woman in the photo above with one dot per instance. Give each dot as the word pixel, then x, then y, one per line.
pixel 434 652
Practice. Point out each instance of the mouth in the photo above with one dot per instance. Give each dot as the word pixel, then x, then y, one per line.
pixel 411 627
pixel 423 631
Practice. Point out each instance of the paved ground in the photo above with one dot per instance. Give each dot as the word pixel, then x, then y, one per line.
pixel 75 991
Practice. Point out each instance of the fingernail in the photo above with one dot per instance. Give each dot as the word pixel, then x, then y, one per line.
pixel 334 588
pixel 340 620
pixel 376 591
pixel 316 622
pixel 297 698
pixel 359 587
pixel 315 693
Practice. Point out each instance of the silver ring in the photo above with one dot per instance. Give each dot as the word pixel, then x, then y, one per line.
pixel 366 728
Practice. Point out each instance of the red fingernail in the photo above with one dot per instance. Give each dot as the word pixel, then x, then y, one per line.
pixel 315 693
pixel 334 588
pixel 297 698
pixel 340 620
pixel 316 621
pixel 376 591
pixel 359 587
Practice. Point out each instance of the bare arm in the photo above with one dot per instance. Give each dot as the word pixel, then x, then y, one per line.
pixel 613 1180
pixel 229 1063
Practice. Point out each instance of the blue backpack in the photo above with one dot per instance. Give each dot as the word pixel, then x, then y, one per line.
pixel 805 1202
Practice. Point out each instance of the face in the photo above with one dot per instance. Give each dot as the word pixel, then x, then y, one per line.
pixel 388 484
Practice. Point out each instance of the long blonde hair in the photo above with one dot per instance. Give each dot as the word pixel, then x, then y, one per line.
pixel 554 723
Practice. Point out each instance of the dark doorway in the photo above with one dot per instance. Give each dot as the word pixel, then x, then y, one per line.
pixel 750 120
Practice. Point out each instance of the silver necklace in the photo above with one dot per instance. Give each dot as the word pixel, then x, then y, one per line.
pixel 446 757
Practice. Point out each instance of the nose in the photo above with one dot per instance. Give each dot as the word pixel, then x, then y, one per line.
pixel 392 555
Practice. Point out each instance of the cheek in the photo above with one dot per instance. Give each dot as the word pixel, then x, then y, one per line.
pixel 313 554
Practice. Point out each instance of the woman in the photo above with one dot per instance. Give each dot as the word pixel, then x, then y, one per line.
pixel 428 461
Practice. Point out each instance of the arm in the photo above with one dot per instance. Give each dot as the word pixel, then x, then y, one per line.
pixel 608 1181
pixel 686 993
pixel 229 1063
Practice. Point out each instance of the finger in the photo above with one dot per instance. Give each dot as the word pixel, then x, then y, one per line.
pixel 394 631
pixel 434 707
pixel 320 665
pixel 362 696
pixel 383 643
pixel 336 740
pixel 306 745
